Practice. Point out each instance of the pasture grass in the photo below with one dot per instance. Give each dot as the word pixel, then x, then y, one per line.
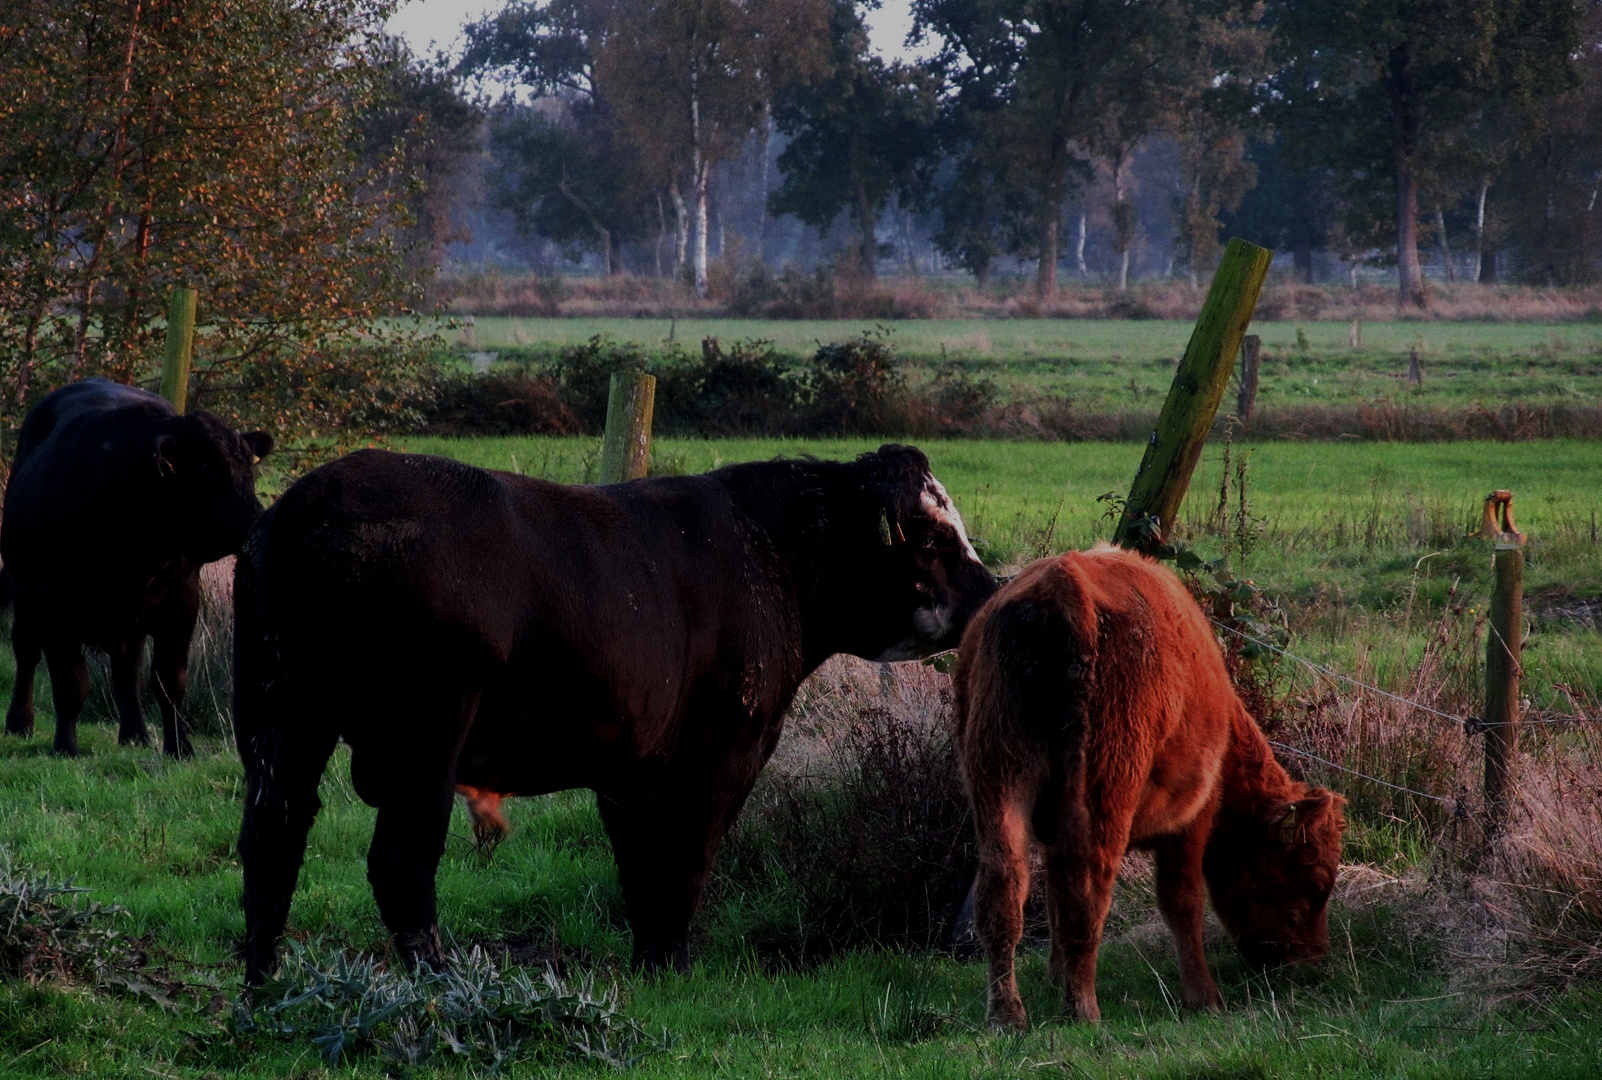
pixel 154 837
pixel 1364 544
pixel 1361 545
pixel 1105 364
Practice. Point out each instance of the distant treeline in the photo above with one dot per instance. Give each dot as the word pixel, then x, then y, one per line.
pixel 1376 132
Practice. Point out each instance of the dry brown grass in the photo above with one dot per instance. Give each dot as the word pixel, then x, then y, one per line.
pixel 927 298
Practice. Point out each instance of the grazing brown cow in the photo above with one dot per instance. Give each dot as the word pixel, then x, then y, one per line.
pixel 1096 716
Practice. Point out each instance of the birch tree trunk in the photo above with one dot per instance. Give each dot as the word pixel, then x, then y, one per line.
pixel 681 226
pixel 1479 231
pixel 1446 248
pixel 1079 246
pixel 698 169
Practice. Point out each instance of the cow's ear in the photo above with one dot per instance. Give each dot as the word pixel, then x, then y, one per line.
pixel 259 442
pixel 165 452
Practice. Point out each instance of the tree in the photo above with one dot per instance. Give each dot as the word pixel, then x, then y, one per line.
pixel 984 208
pixel 690 80
pixel 419 111
pixel 1381 90
pixel 1289 208
pixel 683 82
pixel 571 180
pixel 1554 177
pixel 858 135
pixel 149 143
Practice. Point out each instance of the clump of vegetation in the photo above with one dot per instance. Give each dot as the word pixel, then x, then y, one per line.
pixel 867 842
pixel 473 1011
pixel 46 929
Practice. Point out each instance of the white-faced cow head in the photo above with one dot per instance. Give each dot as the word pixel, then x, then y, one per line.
pixel 916 578
pixel 206 476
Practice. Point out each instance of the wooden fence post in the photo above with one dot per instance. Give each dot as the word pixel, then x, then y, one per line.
pixel 1251 349
pixel 1193 399
pixel 626 447
pixel 1504 644
pixel 180 341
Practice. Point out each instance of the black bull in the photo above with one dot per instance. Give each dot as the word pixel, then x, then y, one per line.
pixel 644 640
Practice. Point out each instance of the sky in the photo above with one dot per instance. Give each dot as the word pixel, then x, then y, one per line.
pixel 428 25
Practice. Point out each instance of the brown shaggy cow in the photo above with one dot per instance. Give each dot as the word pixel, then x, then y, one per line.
pixel 1095 716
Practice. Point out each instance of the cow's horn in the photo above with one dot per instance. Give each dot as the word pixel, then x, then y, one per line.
pixel 884 527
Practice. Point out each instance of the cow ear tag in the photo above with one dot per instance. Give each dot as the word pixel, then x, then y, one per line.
pixel 884 527
pixel 1287 826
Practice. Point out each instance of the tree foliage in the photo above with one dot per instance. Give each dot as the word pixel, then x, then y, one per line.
pixel 860 133
pixel 153 143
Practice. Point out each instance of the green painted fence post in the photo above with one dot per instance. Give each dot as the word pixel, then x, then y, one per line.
pixel 180 341
pixel 1193 399
pixel 626 447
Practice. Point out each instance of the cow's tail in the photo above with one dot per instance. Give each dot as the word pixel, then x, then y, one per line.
pixel 7 588
pixel 1045 646
pixel 1038 654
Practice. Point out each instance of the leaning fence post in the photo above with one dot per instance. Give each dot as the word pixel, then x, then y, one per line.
pixel 180 341
pixel 1193 399
pixel 626 447
pixel 1504 642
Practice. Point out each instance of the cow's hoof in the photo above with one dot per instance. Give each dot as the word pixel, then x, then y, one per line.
pixel 420 949
pixel 181 752
pixel 19 724
pixel 133 738
pixel 61 749
pixel 1008 1019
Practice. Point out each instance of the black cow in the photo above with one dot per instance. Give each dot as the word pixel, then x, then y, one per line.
pixel 115 501
pixel 521 637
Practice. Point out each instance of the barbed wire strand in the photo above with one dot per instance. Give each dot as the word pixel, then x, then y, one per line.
pixel 1354 772
pixel 1473 723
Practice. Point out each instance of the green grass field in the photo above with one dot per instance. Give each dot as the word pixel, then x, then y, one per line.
pixel 1361 542
pixel 156 837
pixel 1114 364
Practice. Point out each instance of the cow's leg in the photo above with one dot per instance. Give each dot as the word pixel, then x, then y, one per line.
pixel 414 797
pixel 1000 892
pixel 283 765
pixel 27 644
pixel 665 835
pixel 1081 866
pixel 1180 888
pixel 170 674
pixel 69 687
pixel 125 691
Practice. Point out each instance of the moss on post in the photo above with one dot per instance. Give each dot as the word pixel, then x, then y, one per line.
pixel 1194 397
pixel 626 447
pixel 180 341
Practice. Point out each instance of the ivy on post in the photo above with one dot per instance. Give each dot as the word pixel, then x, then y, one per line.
pixel 1193 399
pixel 180 342
pixel 626 446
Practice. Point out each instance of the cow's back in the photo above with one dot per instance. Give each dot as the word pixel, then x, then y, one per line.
pixel 592 613
pixel 72 501
pixel 1126 671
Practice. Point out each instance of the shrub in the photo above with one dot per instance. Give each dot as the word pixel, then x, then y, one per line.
pixel 866 840
pixel 749 390
pixel 853 387
pixel 473 1010
pixel 500 404
pixel 584 373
